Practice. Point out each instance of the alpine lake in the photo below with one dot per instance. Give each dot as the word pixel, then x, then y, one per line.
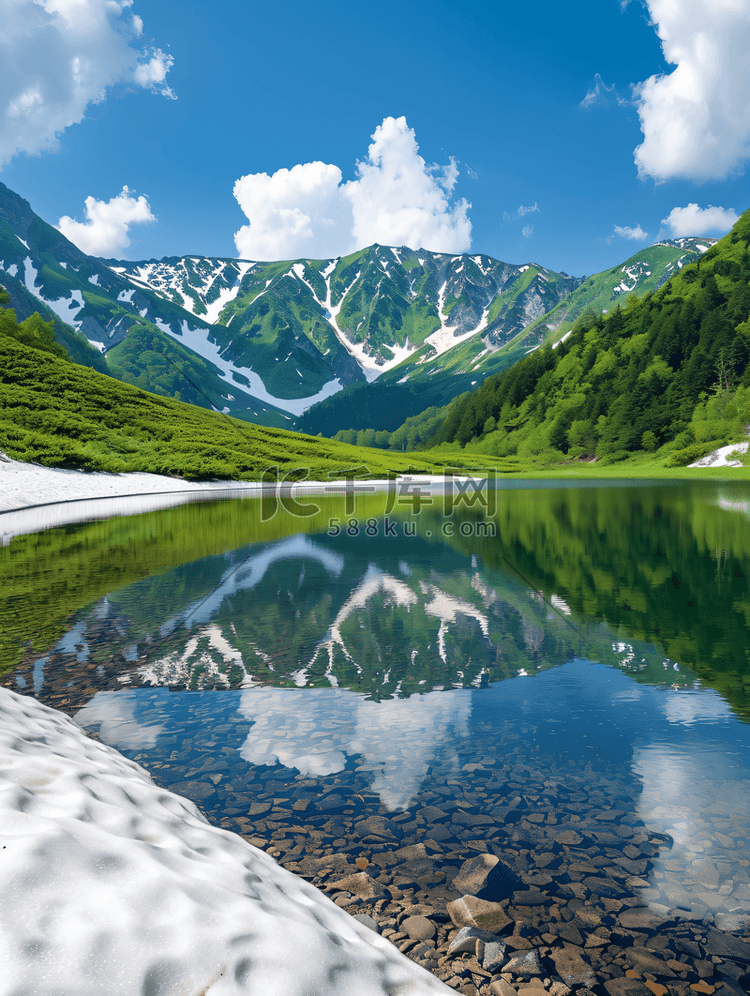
pixel 389 692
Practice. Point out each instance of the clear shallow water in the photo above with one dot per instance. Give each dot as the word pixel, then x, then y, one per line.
pixel 584 669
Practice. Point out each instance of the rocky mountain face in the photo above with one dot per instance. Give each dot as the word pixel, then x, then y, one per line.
pixel 364 313
pixel 645 272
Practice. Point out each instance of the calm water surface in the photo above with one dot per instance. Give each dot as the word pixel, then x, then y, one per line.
pixel 585 670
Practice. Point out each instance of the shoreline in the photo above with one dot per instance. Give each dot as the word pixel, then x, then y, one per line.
pixel 34 498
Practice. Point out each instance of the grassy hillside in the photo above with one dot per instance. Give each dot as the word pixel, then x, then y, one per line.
pixel 63 415
pixel 667 374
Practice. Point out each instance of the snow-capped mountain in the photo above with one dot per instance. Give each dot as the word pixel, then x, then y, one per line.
pixel 265 340
pixel 268 341
pixel 365 313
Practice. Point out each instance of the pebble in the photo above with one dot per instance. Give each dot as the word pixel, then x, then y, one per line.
pixel 418 927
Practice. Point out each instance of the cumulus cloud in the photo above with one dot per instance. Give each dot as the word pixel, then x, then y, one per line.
pixel 59 56
pixel 396 199
pixel 696 119
pixel 694 220
pixel 626 232
pixel 105 231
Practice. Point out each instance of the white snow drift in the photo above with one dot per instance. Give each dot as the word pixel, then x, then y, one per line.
pixel 111 885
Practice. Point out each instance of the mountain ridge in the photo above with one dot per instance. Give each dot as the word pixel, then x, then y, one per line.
pixel 268 342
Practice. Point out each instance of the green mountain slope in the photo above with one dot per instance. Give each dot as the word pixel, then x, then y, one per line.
pixel 360 342
pixel 61 414
pixel 426 380
pixel 264 340
pixel 331 326
pixel 642 274
pixel 668 371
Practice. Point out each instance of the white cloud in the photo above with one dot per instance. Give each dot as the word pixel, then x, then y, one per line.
pixel 527 210
pixel 153 73
pixel 625 232
pixel 105 232
pixel 59 56
pixel 696 119
pixel 397 199
pixel 528 231
pixel 694 220
pixel 600 93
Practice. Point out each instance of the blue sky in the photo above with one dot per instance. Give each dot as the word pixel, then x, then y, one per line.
pixel 528 111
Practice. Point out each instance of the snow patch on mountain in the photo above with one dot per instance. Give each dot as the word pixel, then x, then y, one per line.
pixel 197 340
pixel 445 338
pixel 215 308
pixel 65 308
pixel 193 283
pixel 369 366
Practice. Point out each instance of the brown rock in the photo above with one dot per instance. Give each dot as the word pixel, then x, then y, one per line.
pixel 432 814
pixel 360 885
pixel 570 837
pixel 588 919
pixel 544 859
pixel 531 897
pixel 726 946
pixel 647 961
pixel 597 940
pixel 385 859
pixel 572 967
pixel 525 965
pixel 377 826
pixel 569 932
pixel 413 852
pixel 501 988
pixel 626 987
pixel 419 928
pixel 640 919
pixel 472 912
pixel 487 877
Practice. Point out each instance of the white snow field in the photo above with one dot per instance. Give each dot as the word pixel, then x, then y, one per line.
pixel 111 886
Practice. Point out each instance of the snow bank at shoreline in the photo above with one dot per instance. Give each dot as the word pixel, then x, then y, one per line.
pixel 27 485
pixel 33 498
pixel 111 885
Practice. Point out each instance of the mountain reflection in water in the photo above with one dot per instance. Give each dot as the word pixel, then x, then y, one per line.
pixel 580 675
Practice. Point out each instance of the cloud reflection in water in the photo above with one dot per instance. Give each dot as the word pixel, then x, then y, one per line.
pixel 316 729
